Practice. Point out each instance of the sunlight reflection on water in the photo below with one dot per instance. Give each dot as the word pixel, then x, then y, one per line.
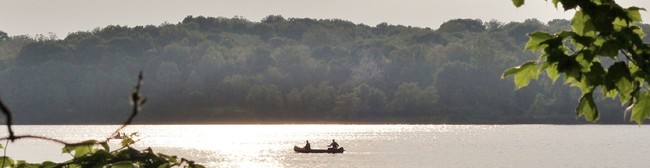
pixel 256 145
pixel 368 145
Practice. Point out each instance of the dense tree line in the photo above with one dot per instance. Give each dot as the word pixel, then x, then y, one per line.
pixel 206 69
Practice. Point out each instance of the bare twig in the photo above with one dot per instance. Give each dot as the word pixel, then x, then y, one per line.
pixel 41 138
pixel 7 114
pixel 136 99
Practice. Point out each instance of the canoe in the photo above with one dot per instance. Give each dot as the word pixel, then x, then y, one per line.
pixel 329 150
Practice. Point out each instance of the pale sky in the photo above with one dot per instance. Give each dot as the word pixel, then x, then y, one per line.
pixel 32 17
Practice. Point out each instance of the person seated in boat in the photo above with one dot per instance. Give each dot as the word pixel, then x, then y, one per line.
pixel 307 146
pixel 333 145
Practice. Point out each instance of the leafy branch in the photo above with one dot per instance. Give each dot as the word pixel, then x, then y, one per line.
pixel 86 155
pixel 601 29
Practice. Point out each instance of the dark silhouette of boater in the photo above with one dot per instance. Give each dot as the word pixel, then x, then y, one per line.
pixel 333 145
pixel 307 146
pixel 307 149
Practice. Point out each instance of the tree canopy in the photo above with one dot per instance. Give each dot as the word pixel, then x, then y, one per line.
pixel 207 70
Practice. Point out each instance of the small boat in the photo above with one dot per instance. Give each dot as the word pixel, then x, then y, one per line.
pixel 328 150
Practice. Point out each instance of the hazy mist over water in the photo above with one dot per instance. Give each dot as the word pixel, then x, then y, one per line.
pixel 370 145
pixel 286 70
pixel 286 61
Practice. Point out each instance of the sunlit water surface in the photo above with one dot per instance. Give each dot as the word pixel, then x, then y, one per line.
pixel 369 145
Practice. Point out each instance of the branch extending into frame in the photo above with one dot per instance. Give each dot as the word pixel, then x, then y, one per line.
pixel 137 101
pixel 42 138
pixel 7 114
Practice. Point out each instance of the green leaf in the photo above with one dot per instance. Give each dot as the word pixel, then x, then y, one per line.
pixel 641 108
pixel 127 141
pixel 536 39
pixel 523 73
pixel 618 77
pixel 625 88
pixel 634 14
pixel 636 72
pixel 609 48
pixel 585 60
pixel 619 24
pixel 587 107
pixel 569 4
pixel 166 165
pixel 610 93
pixel 551 71
pixel 79 150
pixel 567 65
pixel 584 85
pixel 105 145
pixel 197 166
pixel 172 159
pixel 583 40
pixel 518 3
pixel 565 34
pixel 123 164
pixel 596 74
pixel 73 166
pixel 555 3
pixel 7 161
pixel 48 164
pixel 637 30
pixel 23 164
pixel 581 24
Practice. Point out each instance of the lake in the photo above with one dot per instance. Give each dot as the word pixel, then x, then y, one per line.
pixel 368 145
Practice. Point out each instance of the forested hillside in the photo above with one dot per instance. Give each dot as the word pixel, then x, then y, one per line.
pixel 216 70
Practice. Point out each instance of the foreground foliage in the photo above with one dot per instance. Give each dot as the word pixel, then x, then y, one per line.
pixel 100 155
pixel 603 53
pixel 89 153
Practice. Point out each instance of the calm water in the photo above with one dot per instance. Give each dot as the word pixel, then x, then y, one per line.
pixel 371 145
